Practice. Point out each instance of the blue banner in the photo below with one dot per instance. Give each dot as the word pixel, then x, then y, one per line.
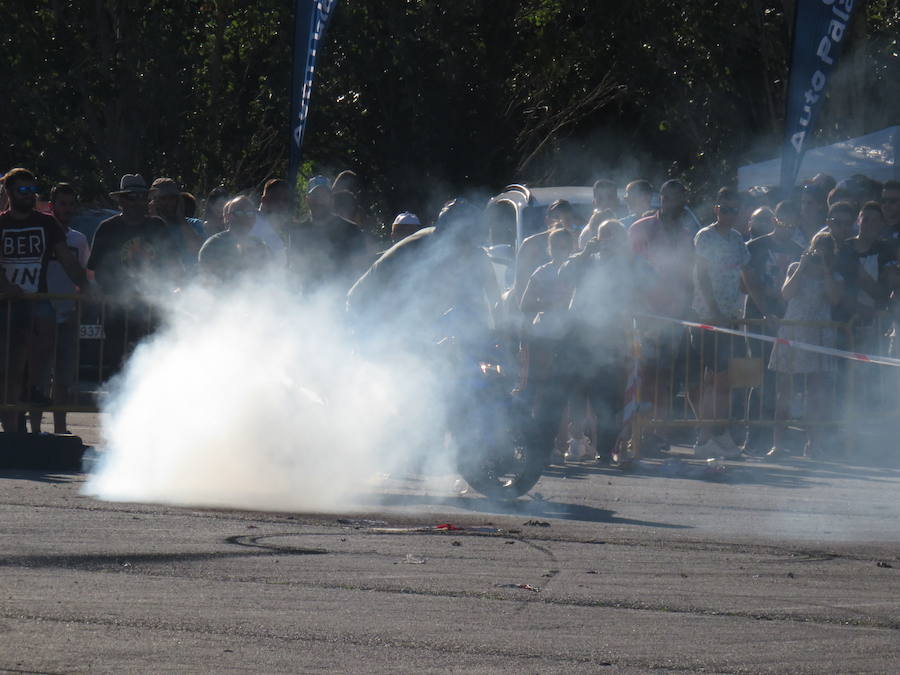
pixel 820 30
pixel 310 21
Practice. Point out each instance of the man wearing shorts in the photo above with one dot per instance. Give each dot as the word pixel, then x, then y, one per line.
pixel 63 368
pixel 721 264
pixel 28 239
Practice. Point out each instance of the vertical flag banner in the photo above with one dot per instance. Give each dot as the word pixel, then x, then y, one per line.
pixel 310 21
pixel 820 30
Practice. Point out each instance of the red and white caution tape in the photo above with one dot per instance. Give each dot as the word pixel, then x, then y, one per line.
pixel 829 351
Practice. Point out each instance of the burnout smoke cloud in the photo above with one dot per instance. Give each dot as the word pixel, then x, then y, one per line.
pixel 251 398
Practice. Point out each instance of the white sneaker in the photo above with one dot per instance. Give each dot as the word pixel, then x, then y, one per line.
pixel 730 449
pixel 708 449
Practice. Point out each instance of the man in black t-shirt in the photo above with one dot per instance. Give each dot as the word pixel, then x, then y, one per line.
pixel 841 219
pixel 130 247
pixel 770 256
pixel 325 248
pixel 129 250
pixel 27 241
pixel 229 254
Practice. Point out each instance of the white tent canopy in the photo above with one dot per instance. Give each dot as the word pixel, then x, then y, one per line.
pixel 873 155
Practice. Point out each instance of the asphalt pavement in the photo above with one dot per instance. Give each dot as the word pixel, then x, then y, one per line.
pixel 775 567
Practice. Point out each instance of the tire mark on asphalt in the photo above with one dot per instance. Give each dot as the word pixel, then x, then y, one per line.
pixel 363 640
pixel 679 544
pixel 865 621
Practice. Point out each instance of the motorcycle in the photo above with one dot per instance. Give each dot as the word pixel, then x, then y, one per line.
pixel 499 451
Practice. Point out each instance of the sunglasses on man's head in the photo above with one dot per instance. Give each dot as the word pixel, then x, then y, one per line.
pixel 27 189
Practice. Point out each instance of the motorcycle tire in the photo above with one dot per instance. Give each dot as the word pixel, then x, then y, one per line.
pixel 504 473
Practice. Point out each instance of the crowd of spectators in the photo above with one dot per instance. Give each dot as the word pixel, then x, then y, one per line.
pixel 820 267
pixel 150 243
pixel 795 268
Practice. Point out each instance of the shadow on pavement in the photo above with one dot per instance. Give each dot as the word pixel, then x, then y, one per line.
pixel 791 472
pixel 519 507
pixel 41 476
pixel 129 562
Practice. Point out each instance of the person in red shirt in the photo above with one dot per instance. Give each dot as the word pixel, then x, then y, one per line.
pixel 27 240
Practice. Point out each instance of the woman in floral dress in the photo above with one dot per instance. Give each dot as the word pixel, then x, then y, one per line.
pixel 810 289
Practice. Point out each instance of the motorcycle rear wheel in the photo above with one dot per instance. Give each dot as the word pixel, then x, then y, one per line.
pixel 503 473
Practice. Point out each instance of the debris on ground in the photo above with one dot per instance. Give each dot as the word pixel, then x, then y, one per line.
pixel 882 563
pixel 456 543
pixel 443 527
pixel 361 523
pixel 411 559
pixel 538 497
pixel 537 523
pixel 524 587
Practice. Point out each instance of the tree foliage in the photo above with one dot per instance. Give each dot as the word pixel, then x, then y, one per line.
pixel 421 97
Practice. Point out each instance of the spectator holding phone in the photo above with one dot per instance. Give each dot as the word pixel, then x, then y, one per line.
pixel 811 289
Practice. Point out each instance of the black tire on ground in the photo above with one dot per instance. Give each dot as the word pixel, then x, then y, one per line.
pixel 503 474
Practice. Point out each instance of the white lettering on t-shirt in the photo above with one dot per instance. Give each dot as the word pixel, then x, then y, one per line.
pixel 23 252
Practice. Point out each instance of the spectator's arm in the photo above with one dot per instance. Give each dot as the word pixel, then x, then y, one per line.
pixel 526 262
pixel 70 264
pixel 871 287
pixel 572 271
pixel 791 285
pixel 755 288
pixel 84 255
pixel 848 301
pixel 532 301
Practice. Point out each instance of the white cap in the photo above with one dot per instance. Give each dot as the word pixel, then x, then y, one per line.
pixel 406 218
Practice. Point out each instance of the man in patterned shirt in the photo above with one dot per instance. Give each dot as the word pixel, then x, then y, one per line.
pixel 721 265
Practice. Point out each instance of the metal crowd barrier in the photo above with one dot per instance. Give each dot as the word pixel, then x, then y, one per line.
pixel 673 375
pixel 102 335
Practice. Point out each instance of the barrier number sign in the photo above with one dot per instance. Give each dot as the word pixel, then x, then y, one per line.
pixel 91 331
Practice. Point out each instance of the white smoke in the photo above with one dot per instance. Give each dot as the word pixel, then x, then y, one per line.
pixel 251 398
